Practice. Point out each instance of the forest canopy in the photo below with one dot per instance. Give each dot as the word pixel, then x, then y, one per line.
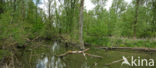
pixel 124 24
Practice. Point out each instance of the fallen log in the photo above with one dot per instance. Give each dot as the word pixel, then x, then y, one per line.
pixel 130 48
pixel 79 52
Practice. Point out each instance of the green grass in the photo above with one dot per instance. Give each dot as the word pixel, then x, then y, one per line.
pixel 121 42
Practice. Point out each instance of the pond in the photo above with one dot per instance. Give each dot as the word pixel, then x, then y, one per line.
pixel 44 55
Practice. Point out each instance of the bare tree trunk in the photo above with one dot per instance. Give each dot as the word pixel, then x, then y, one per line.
pixel 23 11
pixel 81 26
pixel 136 18
pixel 49 11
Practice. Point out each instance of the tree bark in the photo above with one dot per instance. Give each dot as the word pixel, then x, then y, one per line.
pixel 81 25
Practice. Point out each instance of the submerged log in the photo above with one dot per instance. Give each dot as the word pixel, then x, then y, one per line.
pixel 130 48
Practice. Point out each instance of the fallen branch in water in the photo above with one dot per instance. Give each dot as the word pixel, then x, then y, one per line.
pixel 114 62
pixel 93 55
pixel 79 52
pixel 73 52
pixel 130 48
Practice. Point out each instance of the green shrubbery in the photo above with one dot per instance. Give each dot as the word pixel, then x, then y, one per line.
pixel 21 21
pixel 120 42
pixel 17 27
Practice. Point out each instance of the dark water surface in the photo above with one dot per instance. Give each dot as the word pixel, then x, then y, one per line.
pixel 44 55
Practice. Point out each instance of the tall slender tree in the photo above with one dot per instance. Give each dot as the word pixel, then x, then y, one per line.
pixel 137 4
pixel 50 11
pixel 81 25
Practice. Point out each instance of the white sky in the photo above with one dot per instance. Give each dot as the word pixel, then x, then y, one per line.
pixel 88 4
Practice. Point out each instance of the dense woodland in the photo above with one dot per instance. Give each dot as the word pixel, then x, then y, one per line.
pixel 134 24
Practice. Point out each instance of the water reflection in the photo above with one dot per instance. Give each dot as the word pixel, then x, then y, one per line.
pixel 49 60
pixel 55 47
pixel 52 62
pixel 42 63
pixel 85 65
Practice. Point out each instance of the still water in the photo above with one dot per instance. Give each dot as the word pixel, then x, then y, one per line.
pixel 44 55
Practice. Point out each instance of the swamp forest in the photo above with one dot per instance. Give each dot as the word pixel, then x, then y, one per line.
pixel 74 34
